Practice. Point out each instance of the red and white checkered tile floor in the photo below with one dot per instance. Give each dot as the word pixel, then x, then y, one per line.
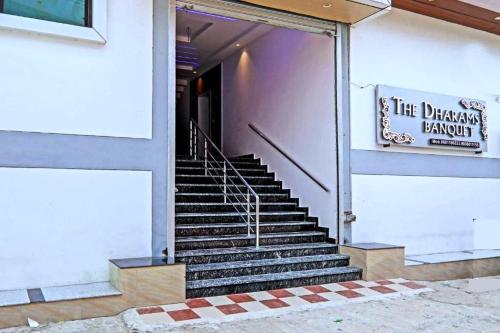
pixel 200 309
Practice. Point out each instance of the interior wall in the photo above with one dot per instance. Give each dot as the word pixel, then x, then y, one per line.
pixel 283 83
pixel 425 213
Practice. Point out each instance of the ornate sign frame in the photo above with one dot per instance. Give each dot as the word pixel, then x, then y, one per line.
pixel 413 118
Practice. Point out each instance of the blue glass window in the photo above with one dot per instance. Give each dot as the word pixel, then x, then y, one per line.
pixel 75 12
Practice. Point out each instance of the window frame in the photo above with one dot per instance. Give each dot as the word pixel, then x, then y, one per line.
pixel 95 29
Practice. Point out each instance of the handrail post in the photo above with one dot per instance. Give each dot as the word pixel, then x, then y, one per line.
pixel 196 143
pixel 248 211
pixel 206 158
pixel 190 138
pixel 257 221
pixel 225 183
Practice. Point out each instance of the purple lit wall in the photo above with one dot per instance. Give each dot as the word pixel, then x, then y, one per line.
pixel 284 84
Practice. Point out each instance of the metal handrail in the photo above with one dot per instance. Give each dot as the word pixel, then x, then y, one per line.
pixel 300 167
pixel 212 163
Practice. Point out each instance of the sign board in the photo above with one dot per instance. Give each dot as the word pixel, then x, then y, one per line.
pixel 426 120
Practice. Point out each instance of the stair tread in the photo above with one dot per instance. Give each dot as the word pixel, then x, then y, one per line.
pixel 238 214
pixel 245 236
pixel 263 262
pixel 211 168
pixel 231 204
pixel 206 185
pixel 253 249
pixel 229 194
pixel 242 224
pixel 247 279
pixel 209 176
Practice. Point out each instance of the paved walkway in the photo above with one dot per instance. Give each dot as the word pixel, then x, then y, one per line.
pixel 455 306
pixel 267 303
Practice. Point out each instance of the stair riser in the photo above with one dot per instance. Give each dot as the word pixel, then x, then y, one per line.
pixel 240 230
pixel 232 219
pixel 230 208
pixel 195 198
pixel 261 286
pixel 180 246
pixel 243 172
pixel 209 180
pixel 237 164
pixel 193 188
pixel 205 259
pixel 222 273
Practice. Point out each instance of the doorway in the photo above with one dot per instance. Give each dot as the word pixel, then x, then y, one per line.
pixel 237 71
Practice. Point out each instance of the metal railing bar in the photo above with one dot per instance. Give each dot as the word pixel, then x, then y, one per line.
pixel 225 159
pixel 220 186
pixel 241 214
pixel 243 206
pixel 287 156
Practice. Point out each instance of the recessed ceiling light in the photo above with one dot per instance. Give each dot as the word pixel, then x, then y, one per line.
pixel 238 44
pixel 497 18
pixel 327 5
pixel 194 72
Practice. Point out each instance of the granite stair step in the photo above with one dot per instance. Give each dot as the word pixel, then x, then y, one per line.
pixel 236 163
pixel 238 240
pixel 184 218
pixel 213 229
pixel 205 256
pixel 206 207
pixel 181 197
pixel 214 188
pixel 252 283
pixel 201 171
pixel 221 257
pixel 264 266
pixel 234 180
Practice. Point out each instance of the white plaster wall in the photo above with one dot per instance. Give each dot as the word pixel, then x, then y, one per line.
pixel 408 50
pixel 55 85
pixel 283 83
pixel 412 51
pixel 60 227
pixel 425 214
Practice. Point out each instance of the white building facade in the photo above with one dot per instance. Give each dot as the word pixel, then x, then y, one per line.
pixel 87 138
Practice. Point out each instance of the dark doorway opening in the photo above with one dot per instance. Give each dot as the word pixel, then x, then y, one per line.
pixel 206 106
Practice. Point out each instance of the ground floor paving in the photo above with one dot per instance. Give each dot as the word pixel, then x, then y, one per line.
pixel 382 306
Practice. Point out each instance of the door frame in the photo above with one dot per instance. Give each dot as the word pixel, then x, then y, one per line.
pixel 253 13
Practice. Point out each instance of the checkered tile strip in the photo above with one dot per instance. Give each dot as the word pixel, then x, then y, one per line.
pixel 222 306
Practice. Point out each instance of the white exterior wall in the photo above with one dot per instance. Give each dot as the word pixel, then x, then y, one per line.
pixel 61 227
pixel 56 85
pixel 57 226
pixel 283 83
pixel 402 49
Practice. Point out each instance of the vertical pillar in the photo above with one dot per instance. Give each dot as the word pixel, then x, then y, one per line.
pixel 343 130
pixel 163 229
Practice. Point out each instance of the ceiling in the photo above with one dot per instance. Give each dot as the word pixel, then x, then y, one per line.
pixel 204 40
pixel 478 14
pixel 346 11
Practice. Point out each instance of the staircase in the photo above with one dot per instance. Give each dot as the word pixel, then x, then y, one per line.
pixel 211 237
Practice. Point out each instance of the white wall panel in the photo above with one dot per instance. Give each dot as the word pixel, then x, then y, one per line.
pixel 60 227
pixel 56 85
pixel 425 214
pixel 283 83
pixel 408 50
